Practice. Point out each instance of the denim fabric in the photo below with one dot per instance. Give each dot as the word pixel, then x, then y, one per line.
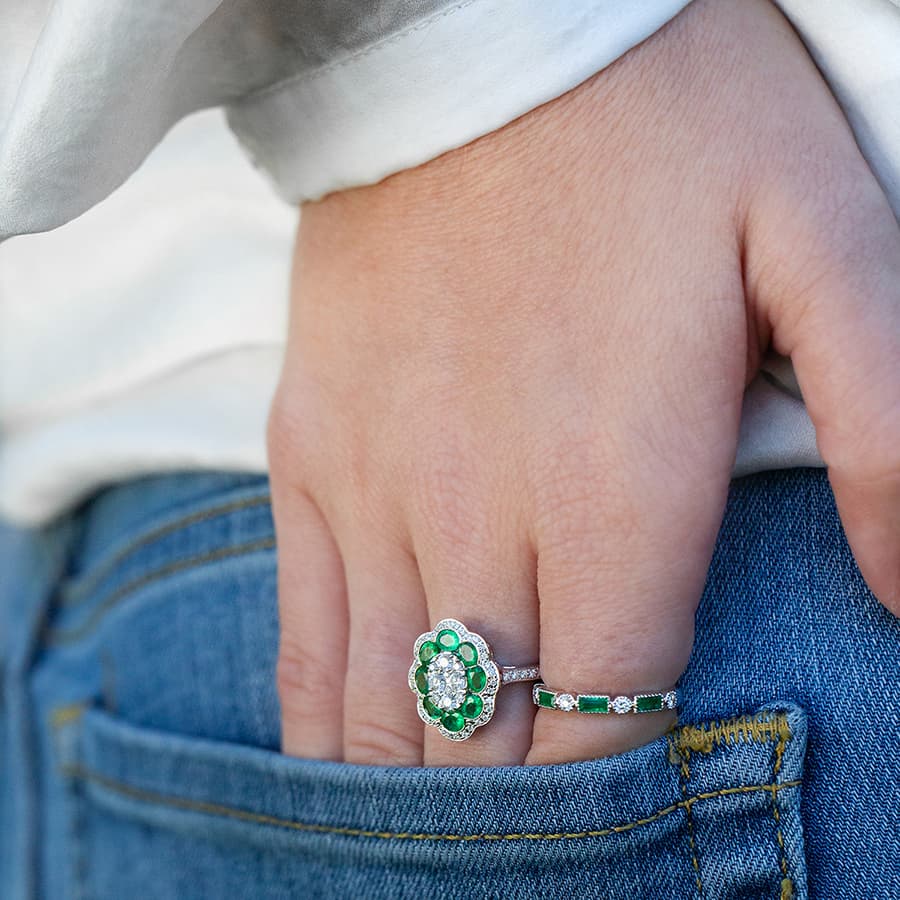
pixel 139 730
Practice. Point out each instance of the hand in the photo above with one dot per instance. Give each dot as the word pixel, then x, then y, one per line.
pixel 514 377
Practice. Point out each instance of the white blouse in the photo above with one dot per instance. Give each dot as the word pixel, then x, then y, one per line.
pixel 144 333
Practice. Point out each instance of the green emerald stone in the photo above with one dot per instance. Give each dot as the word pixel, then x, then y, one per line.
pixel 468 653
pixel 422 679
pixel 471 709
pixel 448 639
pixel 545 698
pixel 453 721
pixel 431 709
pixel 428 651
pixel 477 678
pixel 589 704
pixel 651 703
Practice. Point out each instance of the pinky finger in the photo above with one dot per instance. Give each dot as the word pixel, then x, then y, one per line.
pixel 312 609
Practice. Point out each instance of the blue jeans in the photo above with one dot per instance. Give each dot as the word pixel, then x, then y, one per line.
pixel 139 730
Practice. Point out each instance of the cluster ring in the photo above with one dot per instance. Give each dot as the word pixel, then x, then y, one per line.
pixel 456 679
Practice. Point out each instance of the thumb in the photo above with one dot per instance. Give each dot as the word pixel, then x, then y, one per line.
pixel 828 279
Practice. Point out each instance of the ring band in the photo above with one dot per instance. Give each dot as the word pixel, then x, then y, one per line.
pixel 456 680
pixel 603 704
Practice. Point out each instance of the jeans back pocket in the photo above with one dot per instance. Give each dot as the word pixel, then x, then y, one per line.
pixel 709 810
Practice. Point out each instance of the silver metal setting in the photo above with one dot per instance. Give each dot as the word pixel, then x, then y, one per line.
pixel 510 674
pixel 495 675
pixel 566 701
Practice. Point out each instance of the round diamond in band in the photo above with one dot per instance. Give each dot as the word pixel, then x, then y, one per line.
pixel 456 680
pixel 603 704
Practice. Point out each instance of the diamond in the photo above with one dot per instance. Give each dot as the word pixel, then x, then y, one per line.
pixel 565 702
pixel 446 681
pixel 670 699
pixel 622 705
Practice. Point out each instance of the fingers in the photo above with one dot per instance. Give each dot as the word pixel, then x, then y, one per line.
pixel 477 566
pixel 622 561
pixel 628 498
pixel 387 613
pixel 827 274
pixel 312 609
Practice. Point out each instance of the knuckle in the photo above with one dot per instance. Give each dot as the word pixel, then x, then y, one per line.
pixel 448 498
pixel 288 435
pixel 300 674
pixel 578 489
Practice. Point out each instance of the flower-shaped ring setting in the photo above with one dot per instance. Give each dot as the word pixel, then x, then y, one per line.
pixel 456 679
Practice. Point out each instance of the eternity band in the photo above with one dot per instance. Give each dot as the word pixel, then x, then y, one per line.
pixel 603 704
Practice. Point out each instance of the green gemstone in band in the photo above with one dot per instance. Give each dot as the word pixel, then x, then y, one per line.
pixel 448 639
pixel 428 651
pixel 422 679
pixel 649 703
pixel 477 679
pixel 545 698
pixel 453 721
pixel 431 709
pixel 472 707
pixel 593 704
pixel 468 654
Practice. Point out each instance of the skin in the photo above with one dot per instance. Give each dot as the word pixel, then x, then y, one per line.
pixel 513 385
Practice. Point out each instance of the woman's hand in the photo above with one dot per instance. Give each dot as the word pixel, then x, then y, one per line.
pixel 514 378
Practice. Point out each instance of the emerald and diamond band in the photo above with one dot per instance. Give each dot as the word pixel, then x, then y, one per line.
pixel 455 679
pixel 603 704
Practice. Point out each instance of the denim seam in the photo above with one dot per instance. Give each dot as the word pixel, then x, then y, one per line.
pixel 787 883
pixel 80 590
pixel 57 637
pixel 59 719
pixel 756 729
pixel 684 775
pixel 760 728
pixel 83 773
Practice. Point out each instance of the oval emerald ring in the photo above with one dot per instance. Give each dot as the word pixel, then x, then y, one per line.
pixel 456 680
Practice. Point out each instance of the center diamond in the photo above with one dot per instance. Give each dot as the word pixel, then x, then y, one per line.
pixel 447 683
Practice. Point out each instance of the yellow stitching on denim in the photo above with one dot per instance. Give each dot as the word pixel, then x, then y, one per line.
pixel 62 715
pixel 683 758
pixel 786 882
pixel 57 637
pixel 762 728
pixel 784 735
pixel 228 812
pixel 80 591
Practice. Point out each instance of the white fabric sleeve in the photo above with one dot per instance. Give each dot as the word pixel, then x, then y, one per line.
pixel 323 96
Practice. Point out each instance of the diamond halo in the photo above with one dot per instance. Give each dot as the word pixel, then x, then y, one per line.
pixel 455 679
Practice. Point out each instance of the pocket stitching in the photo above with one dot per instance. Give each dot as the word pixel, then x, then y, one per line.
pixel 82 773
pixel 80 590
pixel 60 637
